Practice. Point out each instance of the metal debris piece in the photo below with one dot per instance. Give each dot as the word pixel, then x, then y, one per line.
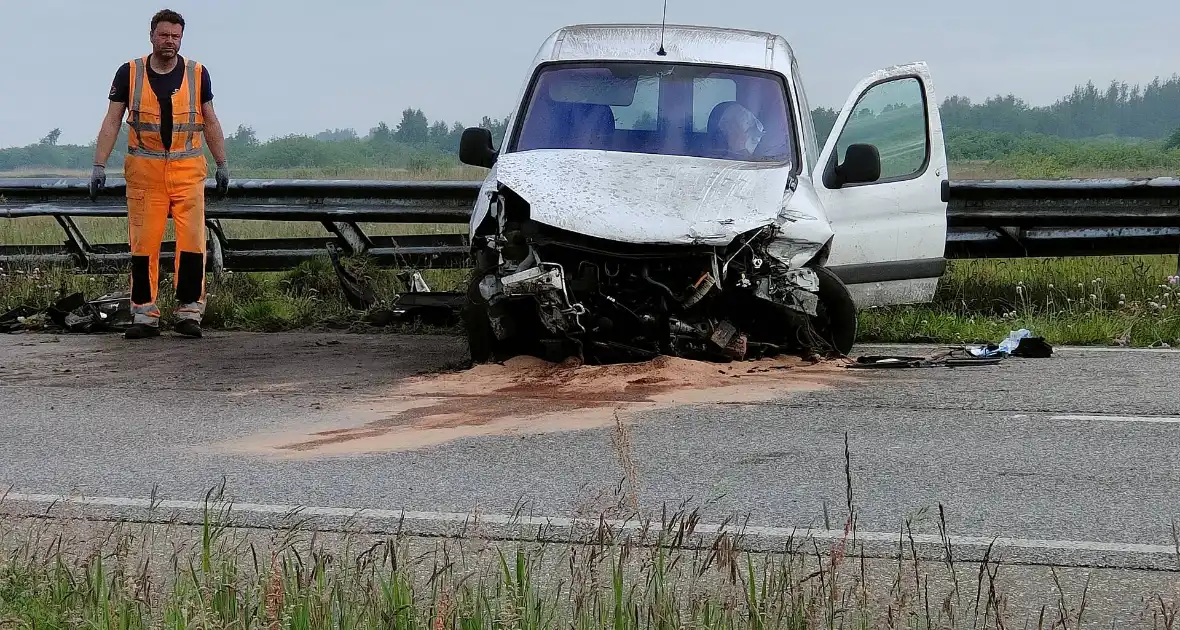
pixel 955 357
pixel 414 281
pixel 359 296
pixel 736 349
pixel 723 334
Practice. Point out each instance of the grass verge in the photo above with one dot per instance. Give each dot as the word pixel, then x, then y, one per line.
pixel 1128 301
pixel 308 296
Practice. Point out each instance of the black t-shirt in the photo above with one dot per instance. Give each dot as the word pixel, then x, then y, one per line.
pixel 164 85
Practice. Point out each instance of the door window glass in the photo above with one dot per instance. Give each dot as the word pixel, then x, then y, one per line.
pixel 892 117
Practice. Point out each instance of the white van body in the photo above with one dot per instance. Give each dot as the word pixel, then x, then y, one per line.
pixel 648 175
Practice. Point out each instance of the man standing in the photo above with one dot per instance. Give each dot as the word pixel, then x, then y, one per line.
pixel 165 170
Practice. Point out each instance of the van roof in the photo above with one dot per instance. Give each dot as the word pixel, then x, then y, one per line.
pixel 686 43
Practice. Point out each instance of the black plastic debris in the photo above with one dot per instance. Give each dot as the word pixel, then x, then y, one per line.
pixel 14 320
pixel 72 313
pixel 1033 348
pixel 114 309
pixel 61 309
pixel 436 308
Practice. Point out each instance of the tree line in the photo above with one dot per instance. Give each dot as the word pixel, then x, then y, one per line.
pixel 1145 120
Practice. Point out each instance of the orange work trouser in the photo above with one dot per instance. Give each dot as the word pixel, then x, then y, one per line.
pixel 157 188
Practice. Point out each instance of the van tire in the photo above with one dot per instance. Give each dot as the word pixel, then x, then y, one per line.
pixel 836 323
pixel 481 340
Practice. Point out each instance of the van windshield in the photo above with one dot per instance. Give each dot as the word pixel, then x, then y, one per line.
pixel 659 108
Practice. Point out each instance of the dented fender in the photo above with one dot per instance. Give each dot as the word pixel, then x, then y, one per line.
pixel 804 229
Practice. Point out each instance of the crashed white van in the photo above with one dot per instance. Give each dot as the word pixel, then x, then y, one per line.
pixel 663 191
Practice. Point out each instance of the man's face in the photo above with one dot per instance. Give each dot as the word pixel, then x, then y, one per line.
pixel 166 40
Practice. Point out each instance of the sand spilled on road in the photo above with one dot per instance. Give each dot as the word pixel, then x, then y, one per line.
pixel 528 395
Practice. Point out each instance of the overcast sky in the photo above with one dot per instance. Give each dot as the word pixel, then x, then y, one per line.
pixel 300 66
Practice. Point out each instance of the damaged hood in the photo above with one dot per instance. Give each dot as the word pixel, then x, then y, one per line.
pixel 642 198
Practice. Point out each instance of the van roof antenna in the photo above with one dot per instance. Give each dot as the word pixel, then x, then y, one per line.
pixel 663 21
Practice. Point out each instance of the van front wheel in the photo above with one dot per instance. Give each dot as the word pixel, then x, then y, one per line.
pixel 835 323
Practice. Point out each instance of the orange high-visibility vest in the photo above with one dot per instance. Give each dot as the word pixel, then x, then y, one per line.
pixel 143 116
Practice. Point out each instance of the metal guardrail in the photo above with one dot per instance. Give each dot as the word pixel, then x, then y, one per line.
pixel 340 206
pixel 1049 218
pixel 986 219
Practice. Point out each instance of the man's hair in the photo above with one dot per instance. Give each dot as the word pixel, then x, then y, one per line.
pixel 169 16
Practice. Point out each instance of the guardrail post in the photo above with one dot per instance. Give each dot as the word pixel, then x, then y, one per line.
pixel 75 241
pixel 353 236
pixel 217 244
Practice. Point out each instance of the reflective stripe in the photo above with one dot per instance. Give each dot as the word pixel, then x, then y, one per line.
pixel 161 155
pixel 156 128
pixel 137 98
pixel 192 311
pixel 145 314
pixel 191 71
pixel 137 101
pixel 147 153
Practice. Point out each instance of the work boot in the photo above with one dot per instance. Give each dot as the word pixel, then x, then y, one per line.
pixel 188 319
pixel 188 327
pixel 141 331
pixel 145 322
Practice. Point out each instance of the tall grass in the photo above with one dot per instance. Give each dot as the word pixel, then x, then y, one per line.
pixel 1118 300
pixel 307 296
pixel 662 572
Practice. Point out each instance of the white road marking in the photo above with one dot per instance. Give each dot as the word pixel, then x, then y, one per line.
pixel 534 522
pixel 1056 349
pixel 1098 417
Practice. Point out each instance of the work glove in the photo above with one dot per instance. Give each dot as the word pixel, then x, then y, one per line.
pixel 222 179
pixel 98 180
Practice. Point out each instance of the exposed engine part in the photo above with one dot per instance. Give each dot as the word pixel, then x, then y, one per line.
pixel 535 280
pixel 723 334
pixel 650 280
pixel 737 347
pixel 806 301
pixel 703 285
pixel 679 327
pixel 721 304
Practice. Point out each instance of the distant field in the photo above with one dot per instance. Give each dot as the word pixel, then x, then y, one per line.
pixel 992 170
pixel 974 169
pixel 457 173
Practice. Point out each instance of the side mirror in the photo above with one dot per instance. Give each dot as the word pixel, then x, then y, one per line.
pixel 475 147
pixel 862 164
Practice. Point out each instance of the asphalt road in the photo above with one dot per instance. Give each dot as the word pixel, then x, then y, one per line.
pixel 1074 457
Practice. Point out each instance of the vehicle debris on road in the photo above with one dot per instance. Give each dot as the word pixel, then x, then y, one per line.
pixel 1020 343
pixel 73 313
